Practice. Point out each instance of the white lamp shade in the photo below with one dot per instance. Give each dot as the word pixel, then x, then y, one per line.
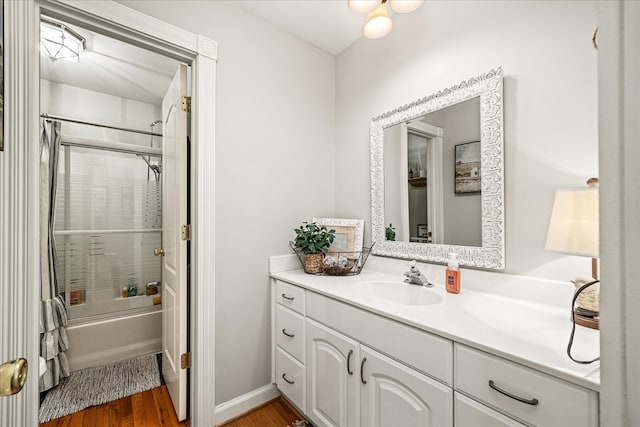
pixel 575 223
pixel 363 6
pixel 378 23
pixel 405 6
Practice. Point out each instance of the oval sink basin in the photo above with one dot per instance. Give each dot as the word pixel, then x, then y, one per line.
pixel 399 293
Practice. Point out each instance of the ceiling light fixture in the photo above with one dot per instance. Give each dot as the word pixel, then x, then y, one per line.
pixel 378 23
pixel 59 42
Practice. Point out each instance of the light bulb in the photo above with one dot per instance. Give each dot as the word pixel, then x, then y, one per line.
pixel 363 6
pixel 378 23
pixel 404 6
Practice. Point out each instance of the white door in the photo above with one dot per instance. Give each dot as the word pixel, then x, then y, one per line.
pixel 332 380
pixel 394 395
pixel 174 262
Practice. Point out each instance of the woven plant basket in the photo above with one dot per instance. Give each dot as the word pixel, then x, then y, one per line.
pixel 313 263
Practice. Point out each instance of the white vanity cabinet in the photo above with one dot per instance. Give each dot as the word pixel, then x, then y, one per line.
pixel 392 394
pixel 521 392
pixel 289 336
pixel 332 377
pixel 345 364
pixel 349 384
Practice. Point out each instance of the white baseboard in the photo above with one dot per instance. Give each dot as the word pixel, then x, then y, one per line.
pixel 242 404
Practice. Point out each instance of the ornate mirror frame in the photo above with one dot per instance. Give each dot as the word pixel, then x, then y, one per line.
pixel 491 254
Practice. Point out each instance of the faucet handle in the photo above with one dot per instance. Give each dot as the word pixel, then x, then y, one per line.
pixel 413 269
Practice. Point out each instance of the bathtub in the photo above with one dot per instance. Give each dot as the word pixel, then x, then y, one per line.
pixel 101 342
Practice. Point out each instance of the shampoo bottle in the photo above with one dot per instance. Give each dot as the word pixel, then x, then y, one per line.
pixel 453 274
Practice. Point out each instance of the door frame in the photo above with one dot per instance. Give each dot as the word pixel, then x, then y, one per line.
pixel 618 133
pixel 19 177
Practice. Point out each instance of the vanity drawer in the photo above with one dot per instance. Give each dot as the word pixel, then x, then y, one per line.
pixel 290 296
pixel 559 403
pixel 290 378
pixel 469 413
pixel 421 350
pixel 290 332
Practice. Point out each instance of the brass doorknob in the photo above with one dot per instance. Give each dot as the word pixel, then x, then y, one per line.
pixel 13 375
pixel 158 252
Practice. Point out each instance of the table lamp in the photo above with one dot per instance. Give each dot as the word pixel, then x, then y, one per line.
pixel 574 230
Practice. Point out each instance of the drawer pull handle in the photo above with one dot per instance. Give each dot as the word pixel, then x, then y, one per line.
pixel 288 298
pixel 284 331
pixel 284 377
pixel 362 371
pixel 349 371
pixel 532 402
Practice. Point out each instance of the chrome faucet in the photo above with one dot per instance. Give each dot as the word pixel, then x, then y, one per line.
pixel 415 276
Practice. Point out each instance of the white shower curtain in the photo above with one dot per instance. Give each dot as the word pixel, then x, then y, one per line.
pixel 53 312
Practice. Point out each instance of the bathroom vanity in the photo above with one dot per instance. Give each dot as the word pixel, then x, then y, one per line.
pixel 369 350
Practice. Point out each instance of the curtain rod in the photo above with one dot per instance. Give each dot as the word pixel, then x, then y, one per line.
pixel 64 119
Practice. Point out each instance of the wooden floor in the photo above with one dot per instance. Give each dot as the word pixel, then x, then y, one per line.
pixel 149 408
pixel 277 413
pixel 153 408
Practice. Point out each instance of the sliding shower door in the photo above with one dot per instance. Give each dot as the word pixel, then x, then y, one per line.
pixel 108 221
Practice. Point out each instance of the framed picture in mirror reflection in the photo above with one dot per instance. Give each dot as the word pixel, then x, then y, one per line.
pixel 467 168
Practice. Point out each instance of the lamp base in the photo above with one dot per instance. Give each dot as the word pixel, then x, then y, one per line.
pixel 590 320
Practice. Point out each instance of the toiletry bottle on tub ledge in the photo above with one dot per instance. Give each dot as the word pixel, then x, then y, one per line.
pixel 452 282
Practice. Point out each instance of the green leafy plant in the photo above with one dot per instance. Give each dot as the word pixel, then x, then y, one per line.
pixel 390 232
pixel 313 239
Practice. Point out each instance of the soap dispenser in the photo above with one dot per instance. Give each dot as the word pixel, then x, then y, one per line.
pixel 452 282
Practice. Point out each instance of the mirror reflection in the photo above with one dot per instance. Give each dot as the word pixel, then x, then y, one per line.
pixel 432 177
pixel 437 176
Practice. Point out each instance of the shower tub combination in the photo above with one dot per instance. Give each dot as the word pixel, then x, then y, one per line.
pixel 108 220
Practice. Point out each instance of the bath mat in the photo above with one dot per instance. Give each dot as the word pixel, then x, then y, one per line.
pixel 95 386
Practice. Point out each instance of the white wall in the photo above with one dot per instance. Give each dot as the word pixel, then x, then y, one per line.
pixel 550 110
pixel 82 104
pixel 274 169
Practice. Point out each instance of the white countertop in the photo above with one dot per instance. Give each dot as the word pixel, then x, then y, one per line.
pixel 530 333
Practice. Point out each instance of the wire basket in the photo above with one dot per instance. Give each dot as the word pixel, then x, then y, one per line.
pixel 332 263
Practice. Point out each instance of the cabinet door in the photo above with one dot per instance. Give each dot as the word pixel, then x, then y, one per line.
pixel 332 380
pixel 392 395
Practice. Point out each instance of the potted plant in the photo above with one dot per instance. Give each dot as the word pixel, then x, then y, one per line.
pixel 312 241
pixel 390 232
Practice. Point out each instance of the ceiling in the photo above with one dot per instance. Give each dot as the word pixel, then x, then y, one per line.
pixel 110 66
pixel 113 67
pixel 326 24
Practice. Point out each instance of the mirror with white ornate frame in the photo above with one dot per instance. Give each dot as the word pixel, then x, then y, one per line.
pixel 486 251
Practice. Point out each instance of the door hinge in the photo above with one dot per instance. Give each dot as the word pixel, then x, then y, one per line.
pixel 185 360
pixel 186 104
pixel 186 232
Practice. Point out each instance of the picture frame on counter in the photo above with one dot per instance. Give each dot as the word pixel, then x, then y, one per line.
pixel 349 233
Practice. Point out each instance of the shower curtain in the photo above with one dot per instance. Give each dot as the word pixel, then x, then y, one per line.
pixel 53 312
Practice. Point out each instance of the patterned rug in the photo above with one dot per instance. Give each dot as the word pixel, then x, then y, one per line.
pixel 95 386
